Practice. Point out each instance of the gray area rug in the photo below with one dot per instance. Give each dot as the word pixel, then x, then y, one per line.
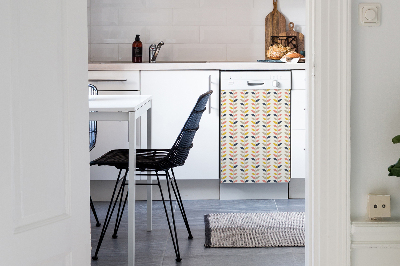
pixel 239 230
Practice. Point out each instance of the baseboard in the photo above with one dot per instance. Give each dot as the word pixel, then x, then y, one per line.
pixel 297 188
pixel 101 190
pixel 375 242
pixel 253 191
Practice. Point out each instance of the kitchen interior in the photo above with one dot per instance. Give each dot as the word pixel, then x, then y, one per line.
pixel 248 156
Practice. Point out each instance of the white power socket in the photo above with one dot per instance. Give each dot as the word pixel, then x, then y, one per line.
pixel 378 206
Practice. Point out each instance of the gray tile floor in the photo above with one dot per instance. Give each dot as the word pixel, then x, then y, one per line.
pixel 155 248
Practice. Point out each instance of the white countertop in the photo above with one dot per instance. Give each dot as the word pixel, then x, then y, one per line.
pixel 196 66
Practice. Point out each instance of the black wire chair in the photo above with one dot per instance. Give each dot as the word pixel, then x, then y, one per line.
pixel 149 161
pixel 92 143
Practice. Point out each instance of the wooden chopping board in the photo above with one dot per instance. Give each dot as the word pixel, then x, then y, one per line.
pixel 292 32
pixel 275 23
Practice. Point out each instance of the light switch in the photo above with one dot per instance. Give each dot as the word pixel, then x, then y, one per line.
pixel 369 14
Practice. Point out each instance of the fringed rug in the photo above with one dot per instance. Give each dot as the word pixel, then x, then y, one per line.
pixel 239 230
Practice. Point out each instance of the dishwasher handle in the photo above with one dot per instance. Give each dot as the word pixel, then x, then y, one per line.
pixel 249 83
pixel 104 80
pixel 209 99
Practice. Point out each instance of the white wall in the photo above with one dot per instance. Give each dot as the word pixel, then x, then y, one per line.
pixel 193 30
pixel 375 120
pixel 375 108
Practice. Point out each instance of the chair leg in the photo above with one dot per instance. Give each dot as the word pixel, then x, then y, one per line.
pixel 94 213
pixel 174 239
pixel 180 203
pixel 109 213
pixel 120 211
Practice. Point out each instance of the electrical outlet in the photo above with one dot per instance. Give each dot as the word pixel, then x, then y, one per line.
pixel 378 206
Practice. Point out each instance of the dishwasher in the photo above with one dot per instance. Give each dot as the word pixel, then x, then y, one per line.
pixel 255 127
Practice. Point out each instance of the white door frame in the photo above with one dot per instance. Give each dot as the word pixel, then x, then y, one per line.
pixel 328 154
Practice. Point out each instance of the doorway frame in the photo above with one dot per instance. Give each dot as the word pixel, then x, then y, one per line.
pixel 328 223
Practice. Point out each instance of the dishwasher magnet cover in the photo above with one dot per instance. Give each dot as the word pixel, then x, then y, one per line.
pixel 255 136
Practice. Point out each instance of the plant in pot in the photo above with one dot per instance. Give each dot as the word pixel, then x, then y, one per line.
pixel 394 170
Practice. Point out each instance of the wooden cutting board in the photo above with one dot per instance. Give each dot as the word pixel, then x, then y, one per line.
pixel 292 32
pixel 275 23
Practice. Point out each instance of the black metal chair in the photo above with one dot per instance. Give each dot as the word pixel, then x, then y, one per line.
pixel 154 160
pixel 92 143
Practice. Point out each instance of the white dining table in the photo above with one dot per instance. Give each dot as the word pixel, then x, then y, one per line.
pixel 127 108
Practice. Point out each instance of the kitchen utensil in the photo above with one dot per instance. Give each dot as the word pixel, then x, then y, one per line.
pixel 275 23
pixel 292 32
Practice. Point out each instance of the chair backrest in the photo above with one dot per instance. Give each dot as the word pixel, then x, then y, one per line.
pixel 92 124
pixel 180 150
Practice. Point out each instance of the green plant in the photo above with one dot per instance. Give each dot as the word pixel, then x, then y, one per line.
pixel 394 170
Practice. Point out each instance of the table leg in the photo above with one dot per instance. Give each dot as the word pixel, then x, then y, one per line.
pixel 149 178
pixel 132 190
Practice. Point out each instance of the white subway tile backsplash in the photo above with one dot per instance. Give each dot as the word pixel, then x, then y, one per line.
pixel 192 30
pixel 199 52
pixel 224 34
pixel 258 35
pixel 105 16
pixel 125 52
pixel 115 34
pixel 172 3
pixel 89 33
pixel 246 53
pixel 300 28
pixel 265 4
pixel 89 52
pixel 199 16
pixel 214 3
pixel 294 10
pixel 173 34
pixel 145 17
pixel 246 17
pixel 226 3
pixel 88 16
pixel 119 3
pixel 239 4
pixel 104 52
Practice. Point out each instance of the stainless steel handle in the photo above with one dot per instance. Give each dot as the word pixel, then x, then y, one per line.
pixel 209 99
pixel 254 83
pixel 100 80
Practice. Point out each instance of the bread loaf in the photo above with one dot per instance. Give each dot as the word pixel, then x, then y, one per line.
pixel 293 55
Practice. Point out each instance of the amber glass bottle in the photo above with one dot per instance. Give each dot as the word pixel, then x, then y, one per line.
pixel 137 50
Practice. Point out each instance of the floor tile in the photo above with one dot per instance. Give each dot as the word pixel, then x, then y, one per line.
pixel 155 248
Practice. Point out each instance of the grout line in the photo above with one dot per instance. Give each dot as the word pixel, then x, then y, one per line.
pixel 276 205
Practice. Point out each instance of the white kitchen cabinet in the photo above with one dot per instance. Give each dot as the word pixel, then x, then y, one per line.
pixel 174 96
pixel 115 80
pixel 298 153
pixel 298 79
pixel 298 109
pixel 112 134
pixel 298 125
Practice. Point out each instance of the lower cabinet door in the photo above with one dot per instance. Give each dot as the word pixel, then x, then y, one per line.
pixel 298 153
pixel 174 96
